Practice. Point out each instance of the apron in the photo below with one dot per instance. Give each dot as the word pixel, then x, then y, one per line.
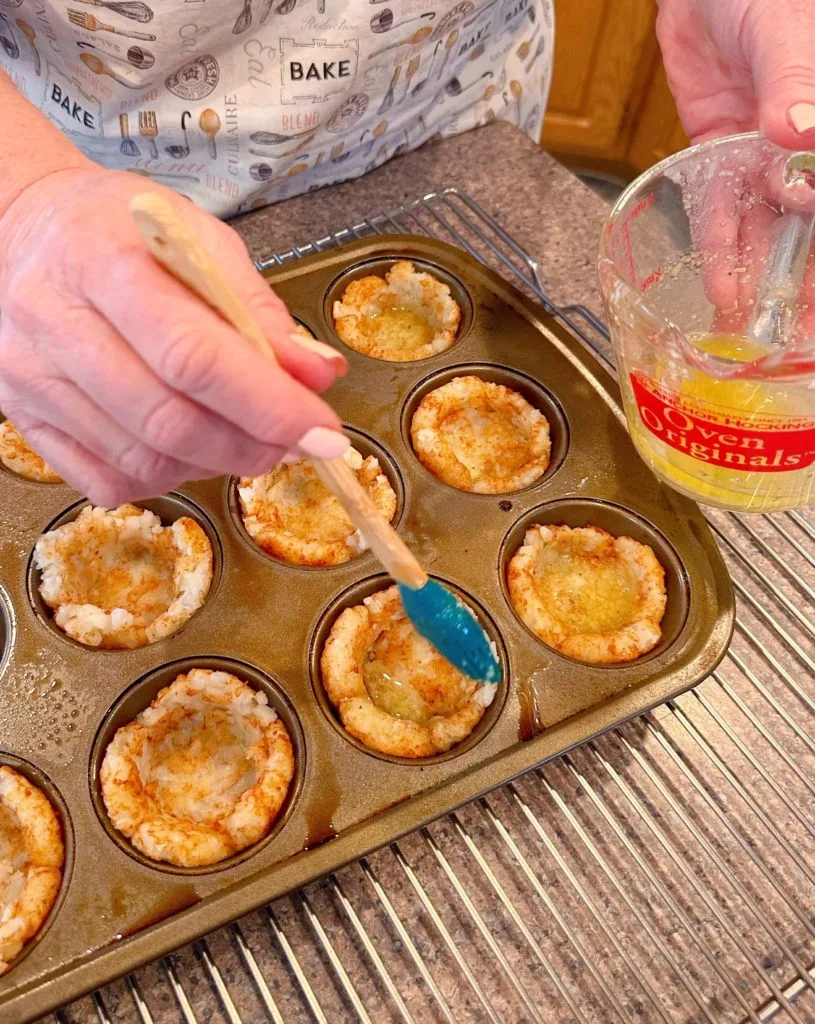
pixel 240 103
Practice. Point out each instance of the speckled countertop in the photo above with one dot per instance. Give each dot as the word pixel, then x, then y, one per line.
pixel 541 204
pixel 633 880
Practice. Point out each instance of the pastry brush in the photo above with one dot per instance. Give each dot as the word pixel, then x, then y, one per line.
pixel 435 611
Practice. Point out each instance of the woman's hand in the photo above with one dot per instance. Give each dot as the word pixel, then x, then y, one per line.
pixel 121 379
pixel 738 65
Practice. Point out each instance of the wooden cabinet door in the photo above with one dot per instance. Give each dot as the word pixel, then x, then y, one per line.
pixel 604 50
pixel 656 133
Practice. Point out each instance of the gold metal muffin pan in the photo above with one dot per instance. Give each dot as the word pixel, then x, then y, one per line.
pixel 266 621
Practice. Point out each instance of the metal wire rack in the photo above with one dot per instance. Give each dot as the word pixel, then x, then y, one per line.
pixel 664 872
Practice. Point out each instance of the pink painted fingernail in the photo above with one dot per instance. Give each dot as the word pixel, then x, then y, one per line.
pixel 802 117
pixel 318 348
pixel 323 443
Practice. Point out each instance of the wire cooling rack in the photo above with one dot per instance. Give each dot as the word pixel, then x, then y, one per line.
pixel 664 872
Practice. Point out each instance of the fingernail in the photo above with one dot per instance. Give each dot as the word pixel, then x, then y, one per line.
pixel 802 117
pixel 291 457
pixel 323 443
pixel 319 348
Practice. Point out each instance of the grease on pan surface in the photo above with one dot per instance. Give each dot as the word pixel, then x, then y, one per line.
pixel 18 456
pixel 201 774
pixel 293 516
pixel 394 692
pixel 406 315
pixel 119 579
pixel 592 596
pixel 482 437
pixel 31 859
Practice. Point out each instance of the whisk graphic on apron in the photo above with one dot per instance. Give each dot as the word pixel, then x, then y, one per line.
pixel 133 9
pixel 128 146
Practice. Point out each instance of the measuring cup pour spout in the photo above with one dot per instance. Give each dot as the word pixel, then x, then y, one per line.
pixel 703 270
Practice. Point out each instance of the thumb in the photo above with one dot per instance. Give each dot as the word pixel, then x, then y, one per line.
pixel 780 48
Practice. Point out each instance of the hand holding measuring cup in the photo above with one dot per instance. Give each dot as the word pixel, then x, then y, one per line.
pixel 704 263
pixel 735 66
pixel 711 302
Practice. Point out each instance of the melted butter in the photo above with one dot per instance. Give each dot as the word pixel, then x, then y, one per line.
pixel 730 346
pixel 321 809
pixel 589 595
pixel 394 696
pixel 530 723
pixel 401 328
pixel 407 678
pixel 744 402
pixel 750 397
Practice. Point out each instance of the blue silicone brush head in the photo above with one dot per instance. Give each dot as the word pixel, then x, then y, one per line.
pixel 453 630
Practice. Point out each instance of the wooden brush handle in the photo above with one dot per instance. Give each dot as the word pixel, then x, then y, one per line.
pixel 382 539
pixel 179 250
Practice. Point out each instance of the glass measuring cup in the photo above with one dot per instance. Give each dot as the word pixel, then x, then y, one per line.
pixel 709 287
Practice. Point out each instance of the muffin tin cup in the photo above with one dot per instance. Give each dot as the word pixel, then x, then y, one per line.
pixel 366 446
pixel 379 267
pixel 6 630
pixel 266 621
pixel 620 522
pixel 168 508
pixel 39 779
pixel 139 696
pixel 355 595
pixel 539 398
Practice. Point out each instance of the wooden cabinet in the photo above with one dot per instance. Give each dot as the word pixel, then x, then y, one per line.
pixel 609 108
pixel 656 131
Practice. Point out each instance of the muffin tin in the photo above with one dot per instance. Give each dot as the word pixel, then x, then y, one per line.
pixel 265 621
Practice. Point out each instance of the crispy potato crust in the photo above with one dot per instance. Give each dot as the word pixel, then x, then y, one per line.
pixel 481 437
pixel 119 579
pixel 591 596
pixel 394 692
pixel 201 774
pixel 31 859
pixel 18 456
pixel 290 513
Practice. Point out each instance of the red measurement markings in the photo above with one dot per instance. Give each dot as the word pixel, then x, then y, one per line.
pixel 629 254
pixel 645 203
pixel 652 278
pixel 642 205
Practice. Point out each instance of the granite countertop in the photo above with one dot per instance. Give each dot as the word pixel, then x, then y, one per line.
pixel 558 221
pixel 542 205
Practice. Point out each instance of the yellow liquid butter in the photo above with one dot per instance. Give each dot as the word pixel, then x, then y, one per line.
pixel 587 594
pixel 401 329
pixel 741 444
